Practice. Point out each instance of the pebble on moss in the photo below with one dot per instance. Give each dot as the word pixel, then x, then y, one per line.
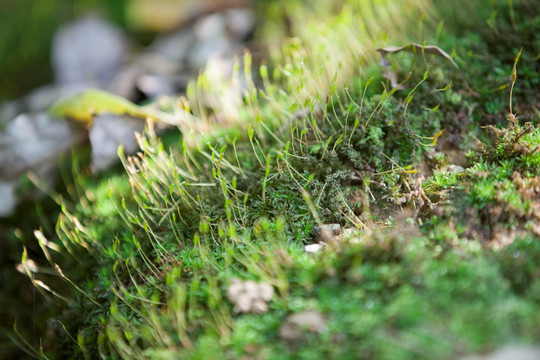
pixel 249 296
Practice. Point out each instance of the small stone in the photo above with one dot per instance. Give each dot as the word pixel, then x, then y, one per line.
pixel 295 326
pixel 240 22
pixel 174 46
pixel 250 287
pixel 204 49
pixel 124 82
pixel 88 49
pixel 313 248
pixel 327 232
pixel 155 85
pixel 511 352
pixel 9 110
pixel 455 169
pixel 235 289
pixel 248 296
pixel 266 291
pixel 210 26
pixel 259 306
pixel 9 200
pixel 243 303
pixel 40 99
pixel 107 133
pixel 31 140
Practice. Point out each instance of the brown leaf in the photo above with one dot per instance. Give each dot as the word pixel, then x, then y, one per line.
pixel 415 48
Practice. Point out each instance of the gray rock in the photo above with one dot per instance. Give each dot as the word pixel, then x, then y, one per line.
pixel 156 85
pixel 107 133
pixel 86 50
pixel 296 325
pixel 174 46
pixel 159 64
pixel 40 99
pixel 210 32
pixel 8 110
pixel 204 49
pixel 249 296
pixel 327 232
pixel 210 27
pixel 30 142
pixel 455 168
pixel 313 248
pixel 8 200
pixel 512 352
pixel 124 83
pixel 240 22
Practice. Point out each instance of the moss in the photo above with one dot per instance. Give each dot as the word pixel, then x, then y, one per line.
pixel 432 271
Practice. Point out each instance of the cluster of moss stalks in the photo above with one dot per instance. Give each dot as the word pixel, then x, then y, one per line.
pixel 439 190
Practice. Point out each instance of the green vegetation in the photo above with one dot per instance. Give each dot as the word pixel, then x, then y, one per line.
pixel 26 30
pixel 436 190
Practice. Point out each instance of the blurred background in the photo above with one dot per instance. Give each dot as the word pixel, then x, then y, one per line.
pixel 145 49
pixel 26 31
pixel 137 49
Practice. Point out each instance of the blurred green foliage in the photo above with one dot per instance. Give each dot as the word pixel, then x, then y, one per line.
pixel 26 30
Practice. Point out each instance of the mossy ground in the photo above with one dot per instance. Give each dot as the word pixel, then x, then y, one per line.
pixel 442 259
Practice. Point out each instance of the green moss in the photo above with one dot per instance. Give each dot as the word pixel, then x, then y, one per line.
pixel 154 250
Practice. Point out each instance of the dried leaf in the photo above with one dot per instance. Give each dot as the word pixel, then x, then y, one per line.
pixel 84 105
pixel 416 48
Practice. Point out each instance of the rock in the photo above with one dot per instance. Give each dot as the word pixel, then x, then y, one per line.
pixel 8 111
pixel 174 46
pixel 159 64
pixel 210 32
pixel 240 23
pixel 9 200
pixel 107 133
pixel 124 83
pixel 313 248
pixel 210 27
pixel 248 296
pixel 512 352
pixel 455 168
pixel 157 85
pixel 30 142
pixel 40 99
pixel 204 49
pixel 296 325
pixel 327 232
pixel 86 50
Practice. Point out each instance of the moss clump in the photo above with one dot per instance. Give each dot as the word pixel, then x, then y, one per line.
pixel 414 275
